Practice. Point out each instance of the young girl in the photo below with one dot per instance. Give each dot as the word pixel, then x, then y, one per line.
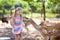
pixel 16 22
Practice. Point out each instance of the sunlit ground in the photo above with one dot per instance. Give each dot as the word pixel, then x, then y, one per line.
pixel 31 34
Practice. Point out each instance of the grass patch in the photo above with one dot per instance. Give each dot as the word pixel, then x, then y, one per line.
pixel 38 15
pixel 51 15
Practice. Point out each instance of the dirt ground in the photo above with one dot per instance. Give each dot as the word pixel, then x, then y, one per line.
pixel 32 34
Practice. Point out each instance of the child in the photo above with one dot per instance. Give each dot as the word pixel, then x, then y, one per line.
pixel 16 22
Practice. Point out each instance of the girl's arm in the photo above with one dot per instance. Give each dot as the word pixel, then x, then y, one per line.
pixel 22 22
pixel 12 22
pixel 21 18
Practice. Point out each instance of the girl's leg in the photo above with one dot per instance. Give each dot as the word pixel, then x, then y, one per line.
pixel 16 37
pixel 21 36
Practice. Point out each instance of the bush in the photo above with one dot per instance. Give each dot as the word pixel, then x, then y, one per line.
pixel 36 6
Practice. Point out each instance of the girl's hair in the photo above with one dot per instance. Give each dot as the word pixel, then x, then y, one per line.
pixel 17 9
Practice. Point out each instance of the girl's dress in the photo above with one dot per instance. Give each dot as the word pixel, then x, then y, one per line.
pixel 18 25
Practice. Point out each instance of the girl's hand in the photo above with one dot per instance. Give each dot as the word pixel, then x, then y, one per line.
pixel 13 26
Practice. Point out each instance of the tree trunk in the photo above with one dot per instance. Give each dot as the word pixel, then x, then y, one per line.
pixel 43 5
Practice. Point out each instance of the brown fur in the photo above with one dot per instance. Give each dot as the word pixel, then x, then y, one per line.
pixel 52 28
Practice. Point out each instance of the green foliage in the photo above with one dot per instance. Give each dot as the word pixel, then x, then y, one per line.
pixel 55 1
pixel 28 0
pixel 6 5
pixel 29 6
pixel 5 2
pixel 52 6
pixel 36 6
pixel 33 0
